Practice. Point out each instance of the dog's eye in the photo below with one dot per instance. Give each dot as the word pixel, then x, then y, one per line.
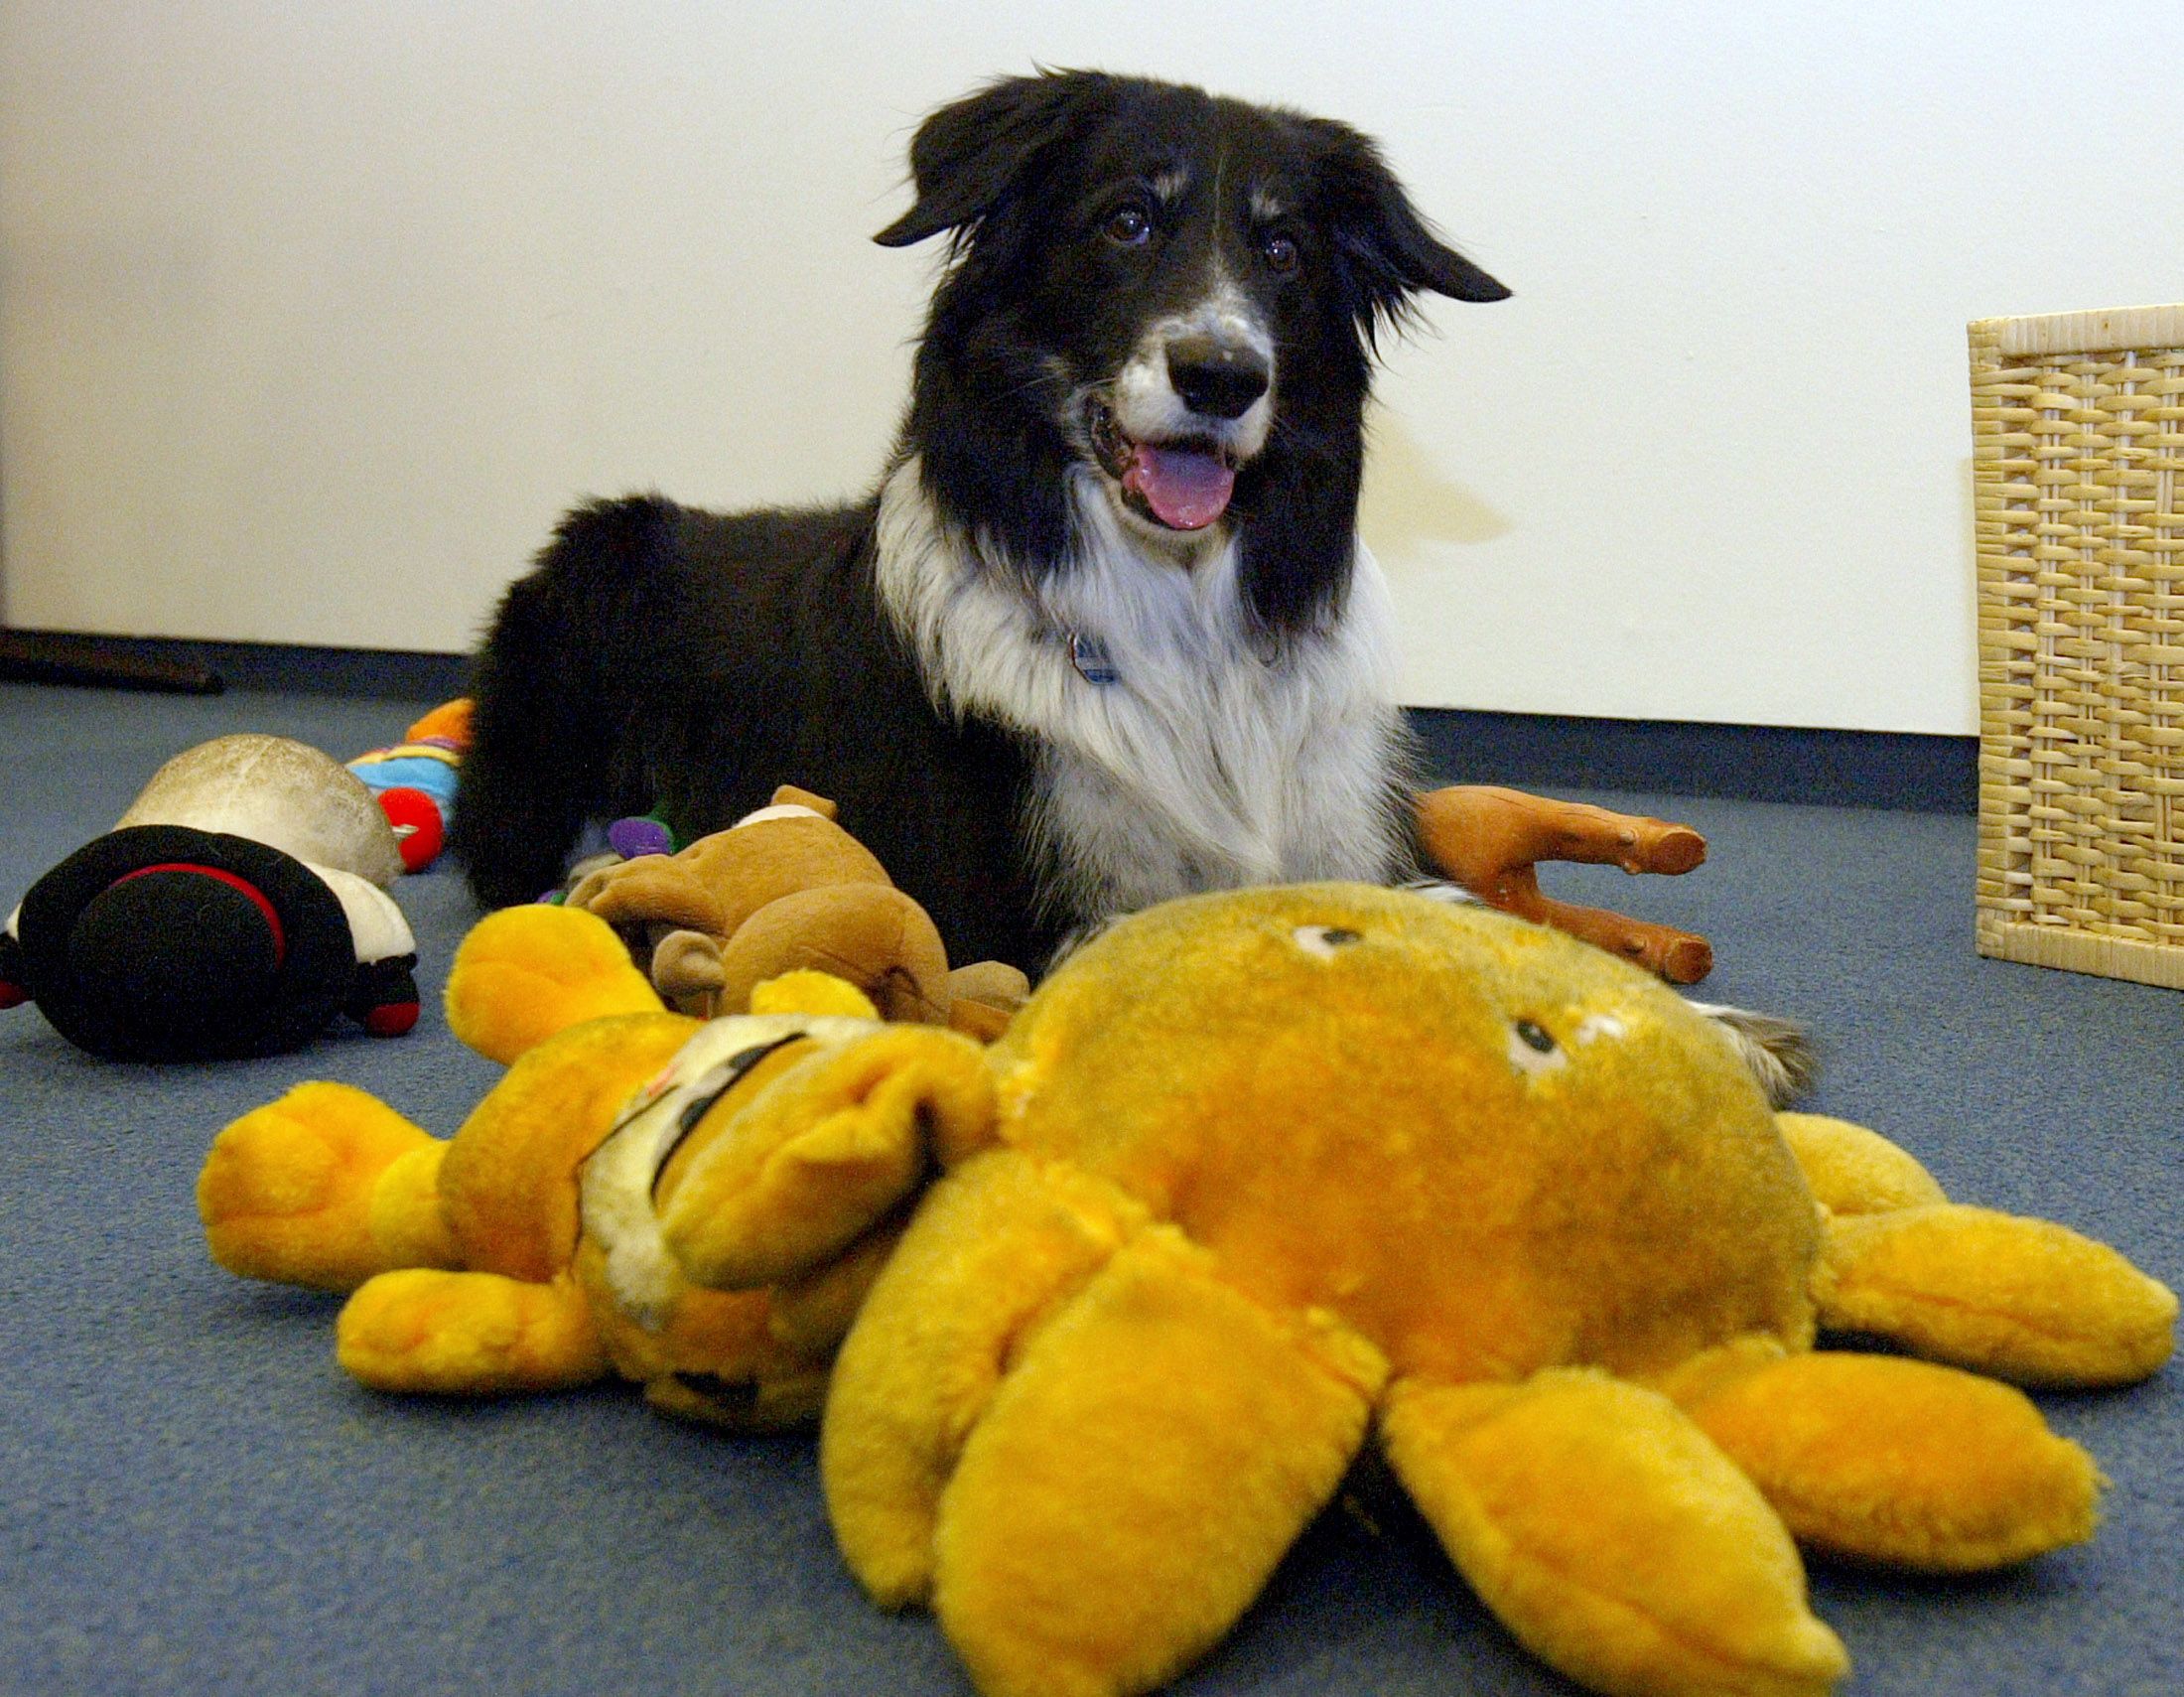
pixel 1279 252
pixel 1129 226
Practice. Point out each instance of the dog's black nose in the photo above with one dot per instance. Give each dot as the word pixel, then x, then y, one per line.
pixel 1217 378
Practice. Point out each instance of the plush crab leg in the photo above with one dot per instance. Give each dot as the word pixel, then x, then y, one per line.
pixel 996 1247
pixel 1489 840
pixel 1611 1536
pixel 1136 1464
pixel 1894 1460
pixel 2022 1299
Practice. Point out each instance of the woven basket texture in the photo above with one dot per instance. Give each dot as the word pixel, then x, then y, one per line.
pixel 2077 477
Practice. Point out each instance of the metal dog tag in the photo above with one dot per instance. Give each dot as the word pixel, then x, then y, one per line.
pixel 1091 659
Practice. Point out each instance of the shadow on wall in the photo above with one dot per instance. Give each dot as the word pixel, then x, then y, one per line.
pixel 1408 501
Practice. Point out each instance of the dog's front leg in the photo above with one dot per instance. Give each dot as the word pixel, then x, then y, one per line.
pixel 1490 841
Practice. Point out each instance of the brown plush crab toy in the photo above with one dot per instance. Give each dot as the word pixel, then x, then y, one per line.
pixel 1278 1172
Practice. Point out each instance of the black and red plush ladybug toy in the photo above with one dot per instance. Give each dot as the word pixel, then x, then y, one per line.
pixel 239 908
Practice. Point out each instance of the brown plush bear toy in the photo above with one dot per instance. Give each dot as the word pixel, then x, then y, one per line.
pixel 781 890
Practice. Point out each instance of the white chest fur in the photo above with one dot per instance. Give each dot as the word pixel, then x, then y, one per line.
pixel 1204 764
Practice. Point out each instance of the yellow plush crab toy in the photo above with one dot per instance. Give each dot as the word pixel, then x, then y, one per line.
pixel 1276 1171
pixel 1255 1177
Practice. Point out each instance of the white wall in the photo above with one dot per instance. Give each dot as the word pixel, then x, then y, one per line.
pixel 313 315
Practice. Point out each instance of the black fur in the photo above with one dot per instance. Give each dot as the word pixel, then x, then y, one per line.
pixel 659 656
pixel 662 657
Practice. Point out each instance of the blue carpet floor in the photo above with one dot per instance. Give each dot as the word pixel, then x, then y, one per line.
pixel 193 1500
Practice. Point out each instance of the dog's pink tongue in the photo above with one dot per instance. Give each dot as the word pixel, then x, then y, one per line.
pixel 1186 492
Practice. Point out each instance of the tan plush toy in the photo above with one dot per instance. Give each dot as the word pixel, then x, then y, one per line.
pixel 524 1253
pixel 1276 1173
pixel 1491 841
pixel 786 888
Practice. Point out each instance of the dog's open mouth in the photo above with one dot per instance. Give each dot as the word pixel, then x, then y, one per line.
pixel 1185 485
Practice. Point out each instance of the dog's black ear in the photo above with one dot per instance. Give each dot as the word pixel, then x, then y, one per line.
pixel 969 155
pixel 1388 250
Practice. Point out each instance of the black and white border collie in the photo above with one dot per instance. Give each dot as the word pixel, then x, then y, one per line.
pixel 1104 632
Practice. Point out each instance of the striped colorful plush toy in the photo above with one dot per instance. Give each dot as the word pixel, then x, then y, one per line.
pixel 415 781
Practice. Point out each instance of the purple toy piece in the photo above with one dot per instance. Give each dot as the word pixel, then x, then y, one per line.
pixel 631 838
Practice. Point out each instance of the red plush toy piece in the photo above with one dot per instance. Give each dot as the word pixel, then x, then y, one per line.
pixel 418 826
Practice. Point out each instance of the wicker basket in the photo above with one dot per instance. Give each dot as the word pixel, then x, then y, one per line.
pixel 2078 475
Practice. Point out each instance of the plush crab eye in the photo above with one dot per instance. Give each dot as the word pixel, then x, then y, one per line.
pixel 1128 227
pixel 1279 252
pixel 1322 940
pixel 1533 1048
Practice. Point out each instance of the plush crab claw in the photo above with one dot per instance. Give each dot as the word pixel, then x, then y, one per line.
pixel 1274 1172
